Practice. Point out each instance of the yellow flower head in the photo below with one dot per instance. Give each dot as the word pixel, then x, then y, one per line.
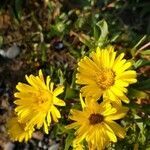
pixel 36 101
pixel 96 123
pixel 105 74
pixel 17 132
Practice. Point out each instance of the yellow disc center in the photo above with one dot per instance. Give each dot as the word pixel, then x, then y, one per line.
pixel 105 78
pixel 44 100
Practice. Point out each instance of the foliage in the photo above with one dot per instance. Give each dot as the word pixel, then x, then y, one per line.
pixel 54 35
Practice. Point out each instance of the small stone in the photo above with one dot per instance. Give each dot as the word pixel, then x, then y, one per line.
pixel 40 144
pixel 58 45
pixel 9 146
pixel 38 135
pixel 45 147
pixel 54 147
pixel 2 53
pixel 13 51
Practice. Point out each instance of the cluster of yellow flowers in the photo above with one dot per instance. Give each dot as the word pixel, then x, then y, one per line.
pixel 104 77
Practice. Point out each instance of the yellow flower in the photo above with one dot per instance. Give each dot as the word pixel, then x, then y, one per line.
pixel 104 73
pixel 96 123
pixel 36 101
pixel 17 132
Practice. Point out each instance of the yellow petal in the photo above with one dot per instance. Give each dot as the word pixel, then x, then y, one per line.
pixel 82 102
pixel 41 75
pixel 59 102
pixel 58 90
pixel 48 79
pixel 118 130
pixel 110 133
pixel 45 128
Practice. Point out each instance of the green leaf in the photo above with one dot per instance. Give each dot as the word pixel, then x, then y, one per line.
pixel 96 33
pixel 62 128
pixel 43 51
pixel 133 93
pixel 140 124
pixel 115 36
pixel 146 107
pixel 104 32
pixel 18 8
pixel 73 83
pixel 80 22
pixel 141 63
pixel 70 93
pixel 147 121
pixel 68 141
pixel 148 147
pixel 146 52
pixel 61 76
pixel 104 29
pixel 143 85
pixel 79 3
pixel 58 29
pixel 135 48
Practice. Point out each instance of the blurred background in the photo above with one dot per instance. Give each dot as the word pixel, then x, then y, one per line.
pixel 53 35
